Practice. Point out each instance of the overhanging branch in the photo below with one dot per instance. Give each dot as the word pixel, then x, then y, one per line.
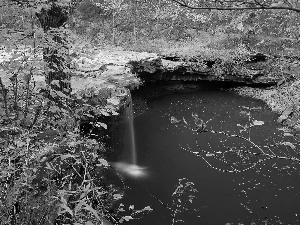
pixel 259 7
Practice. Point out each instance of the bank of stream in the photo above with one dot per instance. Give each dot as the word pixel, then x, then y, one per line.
pixel 266 193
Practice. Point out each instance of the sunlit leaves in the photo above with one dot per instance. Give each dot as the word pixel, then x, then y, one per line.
pixel 114 101
pixel 134 213
pixel 103 162
pixel 117 196
pixel 98 124
pixel 255 122
pixel 125 218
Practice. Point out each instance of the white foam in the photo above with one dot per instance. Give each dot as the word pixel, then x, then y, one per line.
pixel 130 170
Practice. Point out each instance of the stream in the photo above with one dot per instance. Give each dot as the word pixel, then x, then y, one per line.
pixel 268 193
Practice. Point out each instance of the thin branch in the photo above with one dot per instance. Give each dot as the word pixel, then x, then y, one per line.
pixel 37 113
pixel 27 95
pixel 238 136
pixel 239 8
pixel 268 157
pixel 263 156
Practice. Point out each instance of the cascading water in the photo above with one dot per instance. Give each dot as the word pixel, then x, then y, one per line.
pixel 131 133
pixel 128 164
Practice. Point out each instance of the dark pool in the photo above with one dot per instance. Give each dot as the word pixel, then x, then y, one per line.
pixel 267 194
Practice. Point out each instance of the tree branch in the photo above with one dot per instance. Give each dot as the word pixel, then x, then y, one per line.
pixel 261 7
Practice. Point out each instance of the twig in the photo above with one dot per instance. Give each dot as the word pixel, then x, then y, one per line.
pixel 37 113
pixel 27 95
pixel 183 4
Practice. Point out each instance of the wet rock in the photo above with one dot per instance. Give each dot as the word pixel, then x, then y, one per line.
pixel 253 70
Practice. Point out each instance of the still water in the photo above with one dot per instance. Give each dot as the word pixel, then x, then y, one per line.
pixel 267 194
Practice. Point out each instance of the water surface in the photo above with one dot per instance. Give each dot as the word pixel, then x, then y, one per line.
pixel 267 194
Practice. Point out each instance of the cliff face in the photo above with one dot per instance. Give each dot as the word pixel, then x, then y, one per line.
pixel 253 69
pixel 92 74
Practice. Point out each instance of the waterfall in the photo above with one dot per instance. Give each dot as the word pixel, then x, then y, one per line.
pixel 132 144
pixel 122 131
pixel 124 141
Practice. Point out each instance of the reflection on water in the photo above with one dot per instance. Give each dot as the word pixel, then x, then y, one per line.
pixel 267 194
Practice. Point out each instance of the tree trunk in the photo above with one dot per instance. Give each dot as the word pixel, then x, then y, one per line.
pixel 56 52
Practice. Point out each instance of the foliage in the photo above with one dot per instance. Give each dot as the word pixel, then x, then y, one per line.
pixel 138 22
pixel 49 172
pixel 45 177
pixel 44 158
